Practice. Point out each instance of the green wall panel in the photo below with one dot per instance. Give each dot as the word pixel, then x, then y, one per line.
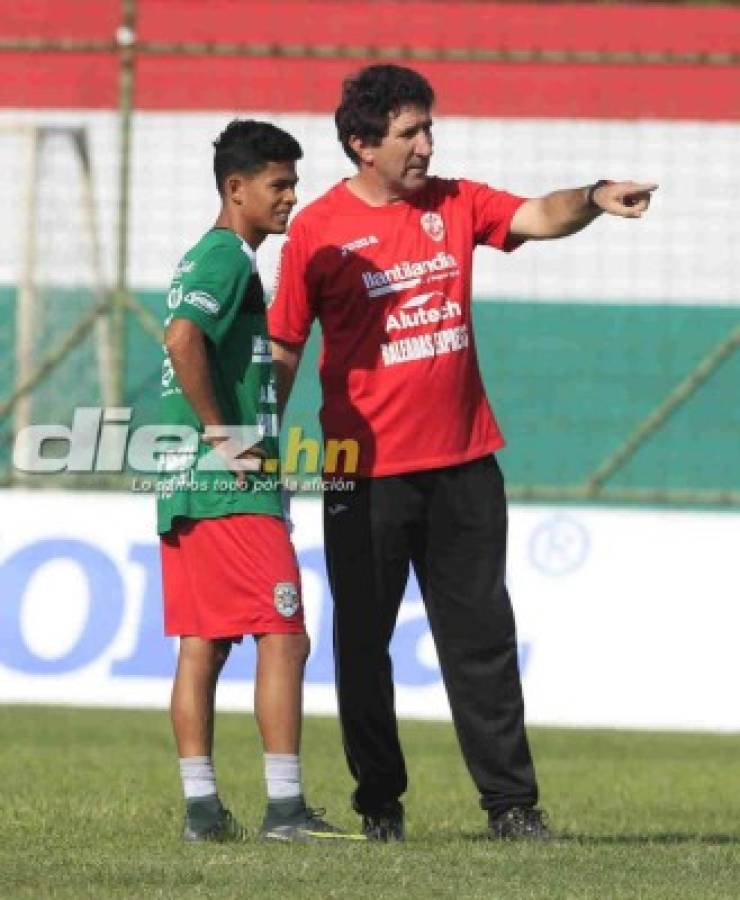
pixel 568 383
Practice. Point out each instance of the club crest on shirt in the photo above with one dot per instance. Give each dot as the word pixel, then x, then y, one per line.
pixel 432 223
pixel 287 600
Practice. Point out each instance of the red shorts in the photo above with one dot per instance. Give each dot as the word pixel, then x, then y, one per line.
pixel 223 578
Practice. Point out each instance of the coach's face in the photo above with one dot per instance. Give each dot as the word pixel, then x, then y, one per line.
pixel 401 160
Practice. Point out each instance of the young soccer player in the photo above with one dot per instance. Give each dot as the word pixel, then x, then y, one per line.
pixel 384 261
pixel 228 567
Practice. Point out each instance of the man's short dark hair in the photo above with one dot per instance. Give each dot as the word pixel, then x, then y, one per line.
pixel 371 95
pixel 246 146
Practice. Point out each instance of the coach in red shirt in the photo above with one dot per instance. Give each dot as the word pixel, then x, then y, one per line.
pixel 384 261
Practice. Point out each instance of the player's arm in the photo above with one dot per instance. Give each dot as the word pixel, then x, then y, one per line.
pixel 565 212
pixel 186 346
pixel 204 309
pixel 285 361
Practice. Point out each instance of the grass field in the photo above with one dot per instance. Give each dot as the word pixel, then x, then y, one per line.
pixel 91 808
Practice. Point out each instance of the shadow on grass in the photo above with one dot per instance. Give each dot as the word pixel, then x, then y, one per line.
pixel 667 837
pixel 600 840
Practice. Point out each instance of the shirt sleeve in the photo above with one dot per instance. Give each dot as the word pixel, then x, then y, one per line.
pixel 212 292
pixel 291 311
pixel 493 211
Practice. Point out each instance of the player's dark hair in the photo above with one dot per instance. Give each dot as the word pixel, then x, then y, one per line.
pixel 247 146
pixel 369 96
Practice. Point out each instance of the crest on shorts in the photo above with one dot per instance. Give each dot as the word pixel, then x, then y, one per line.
pixel 432 223
pixel 286 597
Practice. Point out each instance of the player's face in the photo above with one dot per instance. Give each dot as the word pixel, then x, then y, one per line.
pixel 402 159
pixel 269 196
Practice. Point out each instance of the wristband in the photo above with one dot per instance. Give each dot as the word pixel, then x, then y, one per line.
pixel 592 190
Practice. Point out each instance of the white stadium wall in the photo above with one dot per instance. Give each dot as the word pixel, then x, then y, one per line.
pixel 625 618
pixel 683 253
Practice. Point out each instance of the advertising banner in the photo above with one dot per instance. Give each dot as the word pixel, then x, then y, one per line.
pixel 625 618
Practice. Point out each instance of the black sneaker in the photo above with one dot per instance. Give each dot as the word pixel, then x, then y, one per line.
pixel 293 821
pixel 385 826
pixel 209 820
pixel 519 822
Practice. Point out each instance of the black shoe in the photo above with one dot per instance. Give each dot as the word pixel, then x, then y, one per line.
pixel 519 822
pixel 291 821
pixel 386 825
pixel 208 820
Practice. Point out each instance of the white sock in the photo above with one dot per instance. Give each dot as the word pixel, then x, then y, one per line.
pixel 198 777
pixel 282 776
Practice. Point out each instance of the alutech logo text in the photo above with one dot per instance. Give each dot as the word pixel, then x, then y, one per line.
pixel 413 314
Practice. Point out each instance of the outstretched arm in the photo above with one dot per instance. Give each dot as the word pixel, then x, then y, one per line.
pixel 565 212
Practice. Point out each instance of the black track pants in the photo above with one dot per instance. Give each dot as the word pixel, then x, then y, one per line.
pixel 450 524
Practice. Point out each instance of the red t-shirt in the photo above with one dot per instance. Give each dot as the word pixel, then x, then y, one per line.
pixel 391 287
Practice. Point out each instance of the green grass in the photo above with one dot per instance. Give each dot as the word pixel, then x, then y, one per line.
pixel 91 808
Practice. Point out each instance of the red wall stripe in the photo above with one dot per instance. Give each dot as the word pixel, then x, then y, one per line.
pixel 294 85
pixel 434 23
pixel 478 89
pixel 88 19
pixel 390 23
pixel 50 80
